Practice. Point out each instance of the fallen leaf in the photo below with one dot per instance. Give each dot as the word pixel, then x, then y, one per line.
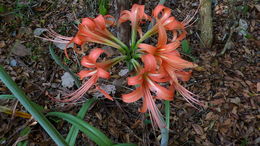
pixel 257 7
pixel 217 101
pixel 235 100
pixel 39 31
pixel 20 50
pixel 198 129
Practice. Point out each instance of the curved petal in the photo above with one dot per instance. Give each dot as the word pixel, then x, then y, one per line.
pixel 161 92
pixel 162 36
pixel 95 53
pixel 100 22
pixel 150 63
pixel 177 62
pixel 102 73
pixel 124 16
pixel 133 96
pixel 105 93
pixel 109 20
pixel 164 11
pixel 86 62
pixel 183 75
pixel 86 73
pixel 136 80
pixel 147 48
pixel 169 47
pixel 88 22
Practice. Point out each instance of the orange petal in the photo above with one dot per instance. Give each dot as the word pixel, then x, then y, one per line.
pixel 147 48
pixel 133 96
pixel 86 62
pixel 183 75
pixel 100 22
pixel 95 53
pixel 161 92
pixel 102 73
pixel 88 22
pixel 149 62
pixel 136 80
pixel 164 11
pixel 162 36
pixel 86 73
pixel 105 93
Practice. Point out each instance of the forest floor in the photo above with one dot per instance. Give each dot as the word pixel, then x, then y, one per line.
pixel 228 83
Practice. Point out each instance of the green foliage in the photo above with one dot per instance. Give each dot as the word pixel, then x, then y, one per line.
pixel 24 132
pixel 93 133
pixel 103 7
pixel 185 47
pixel 38 116
pixel 72 136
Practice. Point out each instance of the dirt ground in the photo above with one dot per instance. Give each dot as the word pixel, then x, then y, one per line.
pixel 227 83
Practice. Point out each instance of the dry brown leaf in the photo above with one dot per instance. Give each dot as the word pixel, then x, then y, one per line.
pixel 198 129
pixel 217 101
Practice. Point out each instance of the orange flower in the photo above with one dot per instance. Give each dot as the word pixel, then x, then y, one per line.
pixel 98 70
pixel 165 21
pixel 94 30
pixel 146 79
pixel 136 16
pixel 170 60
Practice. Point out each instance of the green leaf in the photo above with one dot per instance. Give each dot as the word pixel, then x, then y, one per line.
pixel 25 131
pixel 58 61
pixel 185 47
pixel 93 133
pixel 7 97
pixel 72 136
pixel 38 116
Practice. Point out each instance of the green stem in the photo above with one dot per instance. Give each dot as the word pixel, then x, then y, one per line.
pixel 38 116
pixel 165 131
pixel 133 38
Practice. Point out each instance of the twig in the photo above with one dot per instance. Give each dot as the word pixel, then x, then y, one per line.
pixel 229 42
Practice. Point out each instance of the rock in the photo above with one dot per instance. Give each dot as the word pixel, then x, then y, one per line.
pixel 20 50
pixel 13 62
pixel 67 80
pixel 123 72
pixel 2 44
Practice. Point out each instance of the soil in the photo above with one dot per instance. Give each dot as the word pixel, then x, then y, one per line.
pixel 228 83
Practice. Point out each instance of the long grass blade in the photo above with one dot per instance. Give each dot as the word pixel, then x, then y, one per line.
pixel 93 133
pixel 73 133
pixel 20 95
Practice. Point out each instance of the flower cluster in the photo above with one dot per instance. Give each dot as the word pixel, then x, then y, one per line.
pixel 157 68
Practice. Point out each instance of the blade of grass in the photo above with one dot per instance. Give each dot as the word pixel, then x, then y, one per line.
pixel 73 133
pixel 93 133
pixel 7 97
pixel 58 61
pixel 43 121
